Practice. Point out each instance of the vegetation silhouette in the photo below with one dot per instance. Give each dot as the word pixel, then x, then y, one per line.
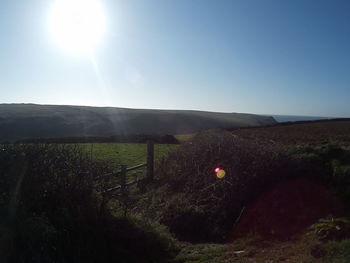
pixel 52 210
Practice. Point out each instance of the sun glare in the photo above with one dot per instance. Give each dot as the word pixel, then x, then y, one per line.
pixel 77 25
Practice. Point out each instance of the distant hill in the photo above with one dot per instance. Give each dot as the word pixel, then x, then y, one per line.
pixel 21 121
pixel 287 118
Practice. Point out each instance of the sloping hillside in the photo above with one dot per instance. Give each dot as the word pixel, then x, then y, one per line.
pixel 19 121
pixel 304 132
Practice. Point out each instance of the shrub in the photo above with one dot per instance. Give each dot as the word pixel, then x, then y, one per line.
pixel 332 228
pixel 206 206
pixel 52 210
pixel 197 206
pixel 328 164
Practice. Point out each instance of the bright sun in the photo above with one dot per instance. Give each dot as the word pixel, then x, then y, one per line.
pixel 77 25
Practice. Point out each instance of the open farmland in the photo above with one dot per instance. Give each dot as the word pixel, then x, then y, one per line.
pixel 125 153
pixel 131 154
pixel 312 133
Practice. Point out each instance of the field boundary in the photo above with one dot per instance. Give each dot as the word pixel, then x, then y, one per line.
pixel 124 170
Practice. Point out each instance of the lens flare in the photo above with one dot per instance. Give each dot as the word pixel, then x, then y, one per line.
pixel 220 173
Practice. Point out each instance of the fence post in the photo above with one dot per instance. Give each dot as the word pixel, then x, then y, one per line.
pixel 123 177
pixel 150 160
pixel 124 194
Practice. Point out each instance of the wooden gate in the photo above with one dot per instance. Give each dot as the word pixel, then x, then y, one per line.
pixel 125 169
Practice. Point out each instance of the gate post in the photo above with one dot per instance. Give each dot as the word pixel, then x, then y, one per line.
pixel 123 177
pixel 150 160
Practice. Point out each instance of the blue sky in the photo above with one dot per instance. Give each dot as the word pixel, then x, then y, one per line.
pixel 256 56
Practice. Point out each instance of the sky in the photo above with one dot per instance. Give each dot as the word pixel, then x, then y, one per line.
pixel 256 56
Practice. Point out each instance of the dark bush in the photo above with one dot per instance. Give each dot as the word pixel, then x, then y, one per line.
pixel 331 229
pixel 206 207
pixel 51 210
pixel 198 206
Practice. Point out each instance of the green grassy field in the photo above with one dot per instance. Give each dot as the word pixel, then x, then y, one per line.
pixel 130 154
pixel 125 153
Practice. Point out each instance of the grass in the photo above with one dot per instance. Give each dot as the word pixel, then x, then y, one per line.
pixel 125 153
pixel 130 154
pixel 250 249
pixel 337 252
pixel 203 253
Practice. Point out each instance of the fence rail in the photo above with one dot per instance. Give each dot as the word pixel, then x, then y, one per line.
pixel 124 169
pixel 136 167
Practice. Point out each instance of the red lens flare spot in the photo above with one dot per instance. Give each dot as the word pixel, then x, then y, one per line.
pixel 220 173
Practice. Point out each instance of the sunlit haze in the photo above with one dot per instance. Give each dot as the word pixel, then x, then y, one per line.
pixel 264 57
pixel 77 25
